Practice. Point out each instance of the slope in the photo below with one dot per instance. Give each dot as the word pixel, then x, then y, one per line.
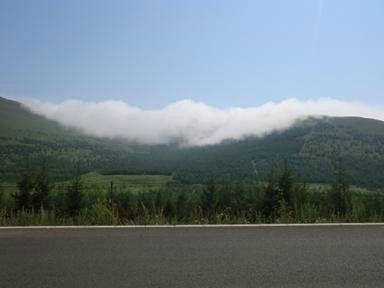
pixel 27 140
pixel 312 147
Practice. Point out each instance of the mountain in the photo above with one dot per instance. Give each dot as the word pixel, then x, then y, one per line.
pixel 312 147
pixel 27 140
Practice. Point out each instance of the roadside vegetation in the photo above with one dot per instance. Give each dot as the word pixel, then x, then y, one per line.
pixel 92 199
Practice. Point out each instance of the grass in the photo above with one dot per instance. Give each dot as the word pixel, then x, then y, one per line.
pixel 127 180
pixel 98 184
pixel 354 189
pixel 8 187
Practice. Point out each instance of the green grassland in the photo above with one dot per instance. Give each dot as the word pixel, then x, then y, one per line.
pixel 322 188
pixel 8 187
pixel 95 181
pixel 126 180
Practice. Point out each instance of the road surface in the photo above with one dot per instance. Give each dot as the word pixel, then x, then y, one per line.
pixel 308 256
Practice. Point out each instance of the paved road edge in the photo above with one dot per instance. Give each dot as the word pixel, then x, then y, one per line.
pixel 191 226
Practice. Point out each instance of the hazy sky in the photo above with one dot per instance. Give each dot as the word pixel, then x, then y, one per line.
pixel 222 53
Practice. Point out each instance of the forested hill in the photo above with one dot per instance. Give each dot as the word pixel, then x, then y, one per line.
pixel 312 148
pixel 27 140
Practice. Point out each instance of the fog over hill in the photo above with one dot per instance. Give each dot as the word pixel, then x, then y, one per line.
pixel 189 122
pixel 312 146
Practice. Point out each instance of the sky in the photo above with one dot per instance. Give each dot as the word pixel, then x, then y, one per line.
pixel 222 53
pixel 201 71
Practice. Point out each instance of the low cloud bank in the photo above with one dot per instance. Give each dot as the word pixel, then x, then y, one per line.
pixel 192 123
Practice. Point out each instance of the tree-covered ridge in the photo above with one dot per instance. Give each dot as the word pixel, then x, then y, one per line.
pixel 312 146
pixel 29 138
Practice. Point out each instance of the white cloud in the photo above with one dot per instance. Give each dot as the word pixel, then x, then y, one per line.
pixel 194 123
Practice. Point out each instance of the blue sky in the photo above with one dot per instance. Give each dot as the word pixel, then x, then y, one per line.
pixel 223 53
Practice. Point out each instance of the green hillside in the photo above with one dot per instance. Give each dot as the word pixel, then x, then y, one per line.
pixel 312 147
pixel 16 119
pixel 27 140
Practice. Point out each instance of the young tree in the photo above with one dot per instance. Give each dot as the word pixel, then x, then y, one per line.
pixel 285 183
pixel 271 198
pixel 169 208
pixel 339 195
pixel 25 186
pixel 1 196
pixel 75 196
pixel 181 206
pixel 209 199
pixel 42 188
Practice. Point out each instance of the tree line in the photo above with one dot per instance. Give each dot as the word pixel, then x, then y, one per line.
pixel 278 198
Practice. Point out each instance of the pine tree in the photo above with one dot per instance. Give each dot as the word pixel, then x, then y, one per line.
pixel 181 206
pixel 42 188
pixel 75 196
pixel 25 186
pixel 209 200
pixel 271 198
pixel 285 184
pixel 340 196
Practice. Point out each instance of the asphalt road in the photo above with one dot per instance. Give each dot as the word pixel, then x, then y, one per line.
pixel 320 256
